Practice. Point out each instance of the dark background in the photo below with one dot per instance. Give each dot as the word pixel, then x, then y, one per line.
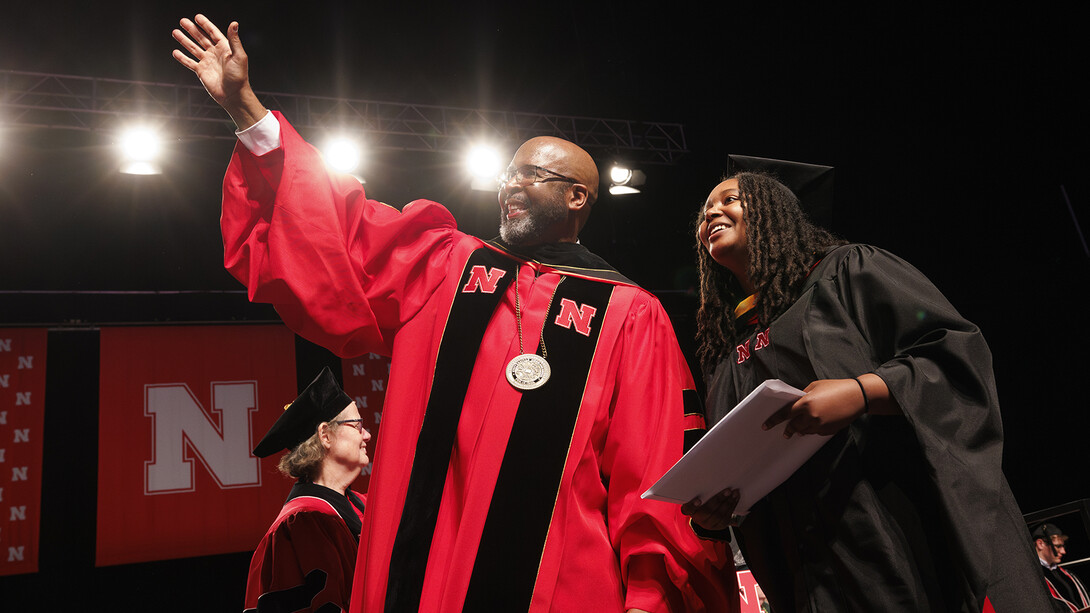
pixel 957 133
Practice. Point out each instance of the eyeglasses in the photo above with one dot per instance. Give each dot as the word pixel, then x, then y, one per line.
pixel 529 174
pixel 355 423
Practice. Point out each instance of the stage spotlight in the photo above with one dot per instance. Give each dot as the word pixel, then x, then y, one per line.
pixel 624 180
pixel 140 148
pixel 484 165
pixel 343 154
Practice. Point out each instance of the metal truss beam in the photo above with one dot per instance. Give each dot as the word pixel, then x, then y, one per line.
pixel 97 104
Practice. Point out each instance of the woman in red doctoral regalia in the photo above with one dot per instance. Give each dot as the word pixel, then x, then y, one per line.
pixel 307 558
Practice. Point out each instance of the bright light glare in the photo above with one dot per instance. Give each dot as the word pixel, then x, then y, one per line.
pixel 625 180
pixel 140 148
pixel 484 164
pixel 483 161
pixel 343 154
pixel 140 144
pixel 620 175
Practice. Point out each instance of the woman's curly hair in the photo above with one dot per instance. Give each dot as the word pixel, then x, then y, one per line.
pixel 783 245
pixel 304 463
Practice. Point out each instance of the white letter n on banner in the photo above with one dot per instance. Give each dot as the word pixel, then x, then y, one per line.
pixel 180 422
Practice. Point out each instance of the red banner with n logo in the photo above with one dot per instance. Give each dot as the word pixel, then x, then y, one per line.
pixel 365 380
pixel 22 400
pixel 180 409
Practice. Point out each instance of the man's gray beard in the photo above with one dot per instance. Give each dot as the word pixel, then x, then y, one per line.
pixel 536 223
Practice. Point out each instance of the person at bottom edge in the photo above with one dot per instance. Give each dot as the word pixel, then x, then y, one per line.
pixel 307 559
pixel 1068 593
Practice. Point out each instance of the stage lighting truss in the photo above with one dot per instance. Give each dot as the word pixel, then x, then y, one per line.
pixel 89 103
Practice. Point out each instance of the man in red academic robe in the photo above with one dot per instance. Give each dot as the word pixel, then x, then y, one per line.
pixel 534 391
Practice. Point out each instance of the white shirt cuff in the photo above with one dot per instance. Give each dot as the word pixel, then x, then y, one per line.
pixel 262 137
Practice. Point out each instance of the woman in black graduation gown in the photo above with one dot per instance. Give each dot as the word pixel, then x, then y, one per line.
pixel 906 507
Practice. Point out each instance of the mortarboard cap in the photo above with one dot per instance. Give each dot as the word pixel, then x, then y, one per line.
pixel 1047 531
pixel 321 401
pixel 813 184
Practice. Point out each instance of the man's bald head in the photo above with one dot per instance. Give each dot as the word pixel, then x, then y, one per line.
pixel 562 157
pixel 554 207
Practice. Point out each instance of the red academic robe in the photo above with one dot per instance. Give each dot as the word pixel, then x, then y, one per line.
pixel 484 496
pixel 305 561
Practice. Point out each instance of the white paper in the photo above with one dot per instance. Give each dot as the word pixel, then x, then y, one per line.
pixel 737 453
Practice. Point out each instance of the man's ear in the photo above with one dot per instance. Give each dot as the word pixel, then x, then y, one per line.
pixel 579 198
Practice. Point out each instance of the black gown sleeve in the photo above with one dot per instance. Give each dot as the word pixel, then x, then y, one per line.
pixel 938 368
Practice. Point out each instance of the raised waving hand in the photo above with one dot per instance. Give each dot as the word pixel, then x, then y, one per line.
pixel 220 62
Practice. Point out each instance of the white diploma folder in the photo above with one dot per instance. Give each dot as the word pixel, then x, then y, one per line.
pixel 737 453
